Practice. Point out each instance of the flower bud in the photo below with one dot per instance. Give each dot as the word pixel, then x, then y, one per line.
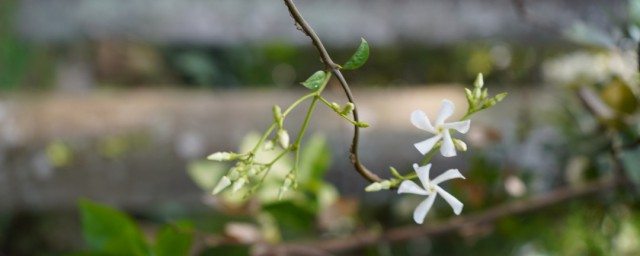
pixel 460 145
pixel 484 94
pixel 479 81
pixel 347 109
pixel 500 97
pixel 234 173
pixel 237 185
pixel 283 138
pixel 373 187
pixel 277 115
pixel 335 106
pixel 222 184
pixel 222 156
pixel 285 185
pixel 269 145
pixel 252 171
pixel 469 94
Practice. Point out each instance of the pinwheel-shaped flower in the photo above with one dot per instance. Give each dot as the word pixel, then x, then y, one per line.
pixel 441 129
pixel 430 189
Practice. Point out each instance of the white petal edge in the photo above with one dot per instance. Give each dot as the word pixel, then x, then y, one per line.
pixel 222 184
pixel 421 121
pixel 423 174
pixel 453 202
pixel 423 208
pixel 448 175
pixel 462 126
pixel 426 145
pixel 411 187
pixel 447 149
pixel 446 110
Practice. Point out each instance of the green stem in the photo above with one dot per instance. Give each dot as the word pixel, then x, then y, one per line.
pixel 428 157
pixel 340 114
pixel 303 129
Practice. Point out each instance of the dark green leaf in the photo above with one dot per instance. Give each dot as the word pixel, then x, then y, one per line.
pixel 111 231
pixel 174 240
pixel 291 216
pixel 315 81
pixel 359 57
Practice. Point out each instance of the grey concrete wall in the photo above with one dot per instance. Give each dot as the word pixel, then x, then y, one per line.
pixel 339 22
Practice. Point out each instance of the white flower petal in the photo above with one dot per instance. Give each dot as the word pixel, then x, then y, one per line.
pixel 446 110
pixel 455 203
pixel 426 145
pixel 421 121
pixel 222 184
pixel 423 208
pixel 449 174
pixel 462 126
pixel 447 149
pixel 423 174
pixel 411 187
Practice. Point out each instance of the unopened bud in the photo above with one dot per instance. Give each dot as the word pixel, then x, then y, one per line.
pixel 347 109
pixel 386 184
pixel 222 156
pixel 469 94
pixel 500 97
pixel 479 81
pixel 283 138
pixel 237 185
pixel 269 145
pixel 234 173
pixel 460 145
pixel 484 94
pixel 277 115
pixel 222 184
pixel 373 187
pixel 335 106
pixel 362 124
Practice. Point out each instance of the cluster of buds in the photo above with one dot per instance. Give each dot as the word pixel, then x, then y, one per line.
pixel 477 98
pixel 240 174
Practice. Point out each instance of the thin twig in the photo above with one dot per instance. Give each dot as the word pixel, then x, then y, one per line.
pixel 330 65
pixel 463 222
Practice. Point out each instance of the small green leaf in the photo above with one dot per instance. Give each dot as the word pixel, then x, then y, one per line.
pixel 110 231
pixel 359 57
pixel 315 81
pixel 174 240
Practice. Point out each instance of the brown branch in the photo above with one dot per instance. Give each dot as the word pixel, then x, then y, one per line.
pixel 463 222
pixel 330 65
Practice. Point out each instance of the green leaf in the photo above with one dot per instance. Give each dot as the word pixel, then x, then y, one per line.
pixel 359 57
pixel 315 159
pixel 291 216
pixel 315 81
pixel 174 240
pixel 631 161
pixel 111 231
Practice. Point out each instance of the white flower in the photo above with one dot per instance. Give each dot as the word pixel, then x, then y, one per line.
pixel 431 189
pixel 441 129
